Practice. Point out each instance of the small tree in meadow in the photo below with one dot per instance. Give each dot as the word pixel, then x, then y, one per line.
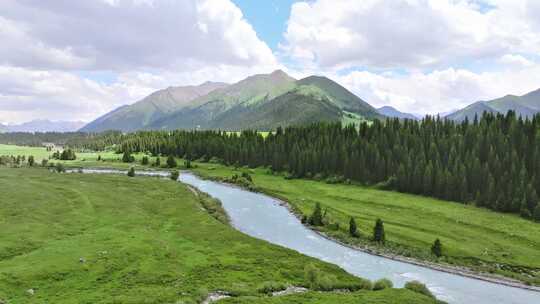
pixel 127 157
pixel 171 162
pixel 187 163
pixel 31 160
pixel 316 218
pixel 131 172
pixel 353 229
pixel 145 160
pixel 99 158
pixel 44 162
pixel 378 232
pixel 436 248
pixel 157 163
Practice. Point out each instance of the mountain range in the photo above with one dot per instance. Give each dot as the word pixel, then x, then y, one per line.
pixel 43 125
pixel 389 111
pixel 262 102
pixel 525 106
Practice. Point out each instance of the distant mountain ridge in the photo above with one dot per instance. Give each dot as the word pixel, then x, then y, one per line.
pixel 393 112
pixel 156 105
pixel 526 106
pixel 263 101
pixel 43 125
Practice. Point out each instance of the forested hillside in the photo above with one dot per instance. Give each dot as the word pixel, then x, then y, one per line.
pixel 494 162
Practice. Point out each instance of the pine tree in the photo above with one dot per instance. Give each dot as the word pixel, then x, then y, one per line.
pixel 157 163
pixel 171 162
pixel 378 232
pixel 144 160
pixel 316 218
pixel 536 213
pixel 436 248
pixel 353 229
pixel 31 160
pixel 127 157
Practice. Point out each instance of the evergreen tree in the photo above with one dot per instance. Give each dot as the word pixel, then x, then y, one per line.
pixel 353 229
pixel 378 232
pixel 127 157
pixel 171 162
pixel 31 160
pixel 144 160
pixel 187 163
pixel 157 163
pixel 536 213
pixel 316 218
pixel 436 248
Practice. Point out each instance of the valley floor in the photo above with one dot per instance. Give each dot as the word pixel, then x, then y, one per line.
pixel 74 238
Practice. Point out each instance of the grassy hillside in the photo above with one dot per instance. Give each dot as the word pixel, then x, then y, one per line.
pixel 114 239
pixel 471 236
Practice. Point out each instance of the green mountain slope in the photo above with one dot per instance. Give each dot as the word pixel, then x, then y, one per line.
pixel 525 106
pixel 267 101
pixel 156 105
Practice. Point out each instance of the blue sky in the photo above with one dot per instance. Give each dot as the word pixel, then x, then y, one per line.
pixel 268 17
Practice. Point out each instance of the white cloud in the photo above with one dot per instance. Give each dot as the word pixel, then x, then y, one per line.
pixel 127 34
pixel 515 61
pixel 408 33
pixel 439 91
pixel 145 44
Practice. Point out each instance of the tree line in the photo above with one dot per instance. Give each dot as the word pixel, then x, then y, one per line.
pixel 493 162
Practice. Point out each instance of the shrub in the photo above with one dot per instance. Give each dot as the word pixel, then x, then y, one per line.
pixel 145 160
pixel 187 164
pixel 270 287
pixel 247 176
pixel 30 160
pixel 44 162
pixel 131 172
pixel 60 168
pixel 175 175
pixel 418 287
pixel 382 284
pixel 157 163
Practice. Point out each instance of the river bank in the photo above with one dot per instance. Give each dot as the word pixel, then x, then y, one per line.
pixel 456 270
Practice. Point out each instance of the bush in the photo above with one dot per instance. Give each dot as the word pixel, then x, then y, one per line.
pixel 175 175
pixel 419 288
pixel 44 162
pixel 31 161
pixel 157 163
pixel 131 172
pixel 353 229
pixel 145 160
pixel 60 168
pixel 187 164
pixel 270 287
pixel 382 284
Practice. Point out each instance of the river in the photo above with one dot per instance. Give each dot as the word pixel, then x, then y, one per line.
pixel 265 218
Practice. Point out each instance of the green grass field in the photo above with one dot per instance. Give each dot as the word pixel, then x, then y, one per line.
pixel 478 238
pixel 471 236
pixel 76 238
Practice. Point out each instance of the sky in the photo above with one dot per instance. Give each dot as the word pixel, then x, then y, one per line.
pixel 77 60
